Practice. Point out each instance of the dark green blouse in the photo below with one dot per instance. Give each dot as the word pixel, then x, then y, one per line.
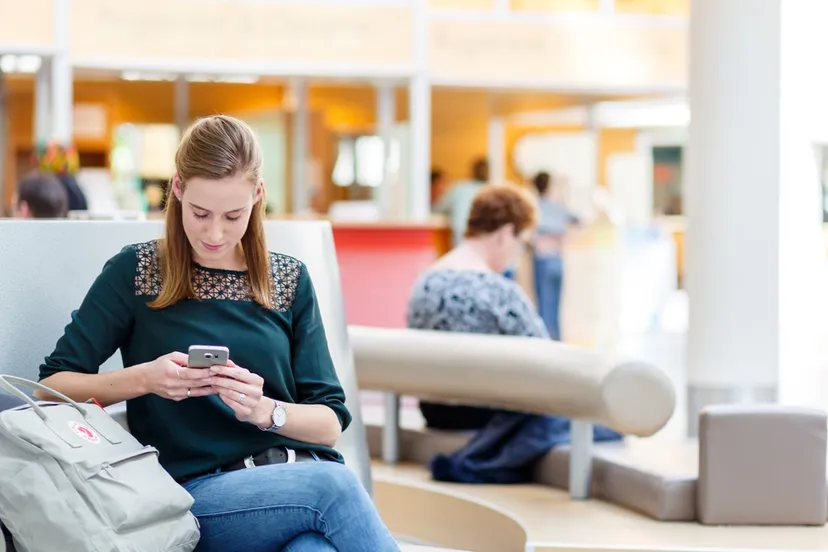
pixel 285 345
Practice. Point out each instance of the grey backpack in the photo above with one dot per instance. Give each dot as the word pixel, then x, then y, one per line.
pixel 71 478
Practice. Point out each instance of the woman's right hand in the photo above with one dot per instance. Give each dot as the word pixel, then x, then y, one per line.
pixel 169 378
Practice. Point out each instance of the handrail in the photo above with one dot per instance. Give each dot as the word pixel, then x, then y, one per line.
pixel 517 373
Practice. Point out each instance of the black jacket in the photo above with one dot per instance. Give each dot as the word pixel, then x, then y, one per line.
pixel 77 201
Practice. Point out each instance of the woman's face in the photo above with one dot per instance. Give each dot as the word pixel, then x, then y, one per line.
pixel 215 215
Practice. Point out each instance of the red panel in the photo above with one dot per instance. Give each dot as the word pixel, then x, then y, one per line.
pixel 378 267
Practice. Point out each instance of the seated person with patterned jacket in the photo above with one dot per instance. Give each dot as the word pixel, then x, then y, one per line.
pixel 465 291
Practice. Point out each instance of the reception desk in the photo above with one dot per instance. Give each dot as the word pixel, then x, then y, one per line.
pixel 380 261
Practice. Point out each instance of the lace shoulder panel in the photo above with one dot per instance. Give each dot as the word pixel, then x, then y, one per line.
pixel 286 271
pixel 231 286
pixel 147 273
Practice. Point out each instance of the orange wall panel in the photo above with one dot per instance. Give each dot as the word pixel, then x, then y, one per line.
pixel 210 98
pixel 612 141
pixel 459 130
pixel 346 108
pixel 658 7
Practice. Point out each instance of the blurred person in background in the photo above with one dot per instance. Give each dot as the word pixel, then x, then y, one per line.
pixel 40 195
pixel 554 222
pixel 457 200
pixel 64 163
pixel 438 187
pixel 465 291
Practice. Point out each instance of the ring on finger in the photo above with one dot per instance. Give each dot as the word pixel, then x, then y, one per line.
pixel 241 397
pixel 188 392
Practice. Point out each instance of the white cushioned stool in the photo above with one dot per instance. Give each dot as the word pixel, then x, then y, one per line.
pixel 762 465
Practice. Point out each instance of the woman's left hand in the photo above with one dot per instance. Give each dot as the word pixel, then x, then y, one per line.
pixel 239 388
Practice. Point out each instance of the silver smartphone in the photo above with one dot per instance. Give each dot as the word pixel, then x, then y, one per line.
pixel 204 356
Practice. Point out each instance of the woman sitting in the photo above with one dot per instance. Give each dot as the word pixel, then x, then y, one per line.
pixel 464 291
pixel 252 441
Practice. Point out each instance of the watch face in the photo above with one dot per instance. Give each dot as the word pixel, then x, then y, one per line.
pixel 279 416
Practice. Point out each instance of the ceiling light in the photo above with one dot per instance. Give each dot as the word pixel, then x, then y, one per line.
pixel 239 79
pixel 141 76
pixel 10 63
pixel 28 64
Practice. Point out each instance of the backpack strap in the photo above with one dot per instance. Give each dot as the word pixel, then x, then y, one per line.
pixel 11 384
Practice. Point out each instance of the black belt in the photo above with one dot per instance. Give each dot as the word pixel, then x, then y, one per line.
pixel 274 455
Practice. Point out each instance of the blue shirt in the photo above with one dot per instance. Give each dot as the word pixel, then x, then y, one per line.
pixel 555 218
pixel 457 205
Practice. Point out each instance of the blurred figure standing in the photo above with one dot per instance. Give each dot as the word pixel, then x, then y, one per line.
pixel 457 201
pixel 438 187
pixel 40 195
pixel 63 162
pixel 554 222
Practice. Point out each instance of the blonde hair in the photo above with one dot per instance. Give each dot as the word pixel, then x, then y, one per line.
pixel 496 205
pixel 213 148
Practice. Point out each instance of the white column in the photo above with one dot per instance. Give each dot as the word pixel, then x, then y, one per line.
pixel 593 127
pixel 497 150
pixel 803 379
pixel 43 102
pixel 753 247
pixel 181 114
pixel 299 146
pixel 386 117
pixel 419 116
pixel 62 94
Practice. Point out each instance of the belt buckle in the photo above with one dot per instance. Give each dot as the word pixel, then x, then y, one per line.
pixel 249 463
pixel 291 455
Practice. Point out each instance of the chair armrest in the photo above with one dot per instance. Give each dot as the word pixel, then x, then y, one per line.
pixel 515 373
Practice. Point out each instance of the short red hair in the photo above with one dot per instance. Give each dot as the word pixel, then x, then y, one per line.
pixel 497 205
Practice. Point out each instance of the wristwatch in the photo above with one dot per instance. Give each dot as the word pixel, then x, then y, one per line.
pixel 278 417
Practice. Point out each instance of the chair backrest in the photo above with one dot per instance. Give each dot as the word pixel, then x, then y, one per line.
pixel 46 268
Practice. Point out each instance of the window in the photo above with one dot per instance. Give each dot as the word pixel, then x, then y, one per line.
pixel 359 161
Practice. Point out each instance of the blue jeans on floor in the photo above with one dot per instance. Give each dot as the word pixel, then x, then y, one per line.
pixel 298 507
pixel 548 286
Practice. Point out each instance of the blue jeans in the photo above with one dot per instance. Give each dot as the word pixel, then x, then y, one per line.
pixel 548 286
pixel 299 507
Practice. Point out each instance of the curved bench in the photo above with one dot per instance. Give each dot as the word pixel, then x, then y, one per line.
pixel 516 373
pixel 445 514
